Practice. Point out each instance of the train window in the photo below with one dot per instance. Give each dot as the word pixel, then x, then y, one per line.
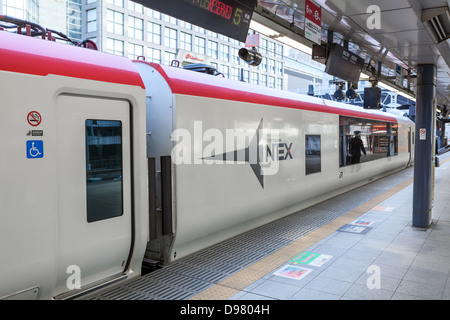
pixel 312 154
pixel 379 138
pixel 104 169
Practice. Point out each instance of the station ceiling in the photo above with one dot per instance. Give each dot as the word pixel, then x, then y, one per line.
pixel 401 38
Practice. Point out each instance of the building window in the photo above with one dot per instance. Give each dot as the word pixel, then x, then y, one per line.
pixel 263 80
pixel 200 45
pixel 154 33
pixel 154 55
pixel 185 24
pixel 114 22
pixel 279 51
pixel 279 83
pixel 114 46
pixel 199 29
pixel 118 3
pixel 169 57
pixel 213 49
pixel 263 65
pixel 271 48
pixel 263 46
pixel 225 70
pixel 104 187
pixel 223 38
pixel 254 77
pixel 170 38
pixel 170 19
pixel 271 82
pixel 224 52
pixel 185 41
pixel 312 154
pixel 135 7
pixel 135 28
pixel 154 14
pixel 212 34
pixel 73 19
pixel 135 50
pixel 234 56
pixel 271 66
pixel 235 73
pixel 91 23
pixel 279 68
pixel 246 75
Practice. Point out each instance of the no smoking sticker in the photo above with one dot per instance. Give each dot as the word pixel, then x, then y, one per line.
pixel 34 118
pixel 423 134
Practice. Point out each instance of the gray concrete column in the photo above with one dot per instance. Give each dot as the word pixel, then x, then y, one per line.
pixel 424 146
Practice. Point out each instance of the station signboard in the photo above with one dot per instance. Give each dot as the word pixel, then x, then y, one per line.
pixel 228 17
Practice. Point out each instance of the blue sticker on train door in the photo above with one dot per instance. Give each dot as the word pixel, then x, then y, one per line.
pixel 35 149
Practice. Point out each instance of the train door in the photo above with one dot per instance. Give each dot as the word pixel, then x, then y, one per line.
pixel 94 198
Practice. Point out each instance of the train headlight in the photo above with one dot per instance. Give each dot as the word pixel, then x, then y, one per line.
pixel 251 56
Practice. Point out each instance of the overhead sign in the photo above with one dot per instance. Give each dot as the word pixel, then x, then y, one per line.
pixel 319 53
pixel 313 21
pixel 398 75
pixel 228 17
pixel 344 64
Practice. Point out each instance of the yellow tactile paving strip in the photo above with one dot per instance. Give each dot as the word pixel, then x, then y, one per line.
pixel 242 279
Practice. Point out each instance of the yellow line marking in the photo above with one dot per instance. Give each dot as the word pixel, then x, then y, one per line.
pixel 242 279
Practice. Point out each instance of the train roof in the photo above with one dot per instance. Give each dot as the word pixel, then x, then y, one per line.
pixel 188 82
pixel 24 54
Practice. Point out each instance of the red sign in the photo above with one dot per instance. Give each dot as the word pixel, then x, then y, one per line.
pixel 313 22
pixel 252 40
pixel 34 118
pixel 313 12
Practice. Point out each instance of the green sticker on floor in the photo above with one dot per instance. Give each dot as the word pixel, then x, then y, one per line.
pixel 310 258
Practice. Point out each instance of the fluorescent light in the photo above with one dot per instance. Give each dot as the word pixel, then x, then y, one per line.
pixel 258 27
pixel 397 91
pixel 364 77
pixel 294 44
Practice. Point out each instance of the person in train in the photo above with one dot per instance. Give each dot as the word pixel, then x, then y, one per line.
pixel 356 146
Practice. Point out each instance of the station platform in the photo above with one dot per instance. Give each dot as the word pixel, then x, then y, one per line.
pixel 357 246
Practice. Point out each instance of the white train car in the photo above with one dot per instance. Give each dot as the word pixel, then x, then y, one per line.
pixel 73 198
pixel 106 162
pixel 243 155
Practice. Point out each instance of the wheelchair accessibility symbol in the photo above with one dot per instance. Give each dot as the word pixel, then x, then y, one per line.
pixel 35 149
